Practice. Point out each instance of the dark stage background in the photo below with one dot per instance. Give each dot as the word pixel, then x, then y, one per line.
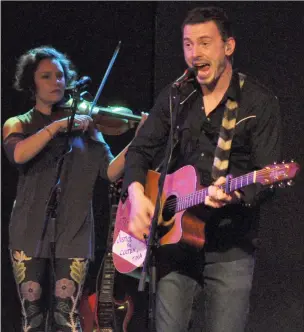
pixel 269 47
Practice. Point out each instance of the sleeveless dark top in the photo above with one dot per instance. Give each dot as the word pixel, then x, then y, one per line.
pixel 74 223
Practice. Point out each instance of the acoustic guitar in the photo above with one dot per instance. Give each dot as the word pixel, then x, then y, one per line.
pixel 175 222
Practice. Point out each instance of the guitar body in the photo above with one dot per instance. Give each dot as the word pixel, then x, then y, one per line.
pixel 128 251
pixel 122 311
pixel 87 312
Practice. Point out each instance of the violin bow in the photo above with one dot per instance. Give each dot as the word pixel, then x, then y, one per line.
pixel 103 82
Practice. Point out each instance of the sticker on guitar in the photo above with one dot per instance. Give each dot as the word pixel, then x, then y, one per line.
pixel 129 248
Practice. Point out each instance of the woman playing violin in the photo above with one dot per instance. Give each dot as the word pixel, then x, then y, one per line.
pixel 34 142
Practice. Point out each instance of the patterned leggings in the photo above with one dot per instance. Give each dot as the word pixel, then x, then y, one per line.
pixel 31 278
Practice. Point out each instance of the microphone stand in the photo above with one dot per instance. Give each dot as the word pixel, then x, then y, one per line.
pixel 152 241
pixel 53 203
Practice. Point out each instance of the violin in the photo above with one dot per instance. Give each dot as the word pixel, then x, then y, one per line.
pixel 111 120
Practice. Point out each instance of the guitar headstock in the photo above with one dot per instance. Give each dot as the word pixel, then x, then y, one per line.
pixel 277 173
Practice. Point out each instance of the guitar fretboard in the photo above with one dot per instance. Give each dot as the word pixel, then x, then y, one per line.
pixel 107 283
pixel 199 196
pixel 106 291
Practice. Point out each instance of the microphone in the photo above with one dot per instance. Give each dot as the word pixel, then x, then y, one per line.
pixel 81 83
pixel 190 72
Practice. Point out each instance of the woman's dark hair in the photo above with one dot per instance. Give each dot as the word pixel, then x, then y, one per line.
pixel 207 14
pixel 28 63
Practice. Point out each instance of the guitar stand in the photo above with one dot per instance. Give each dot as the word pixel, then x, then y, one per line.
pixel 150 262
pixel 152 292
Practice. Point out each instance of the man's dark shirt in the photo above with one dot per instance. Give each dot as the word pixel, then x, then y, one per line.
pixel 256 143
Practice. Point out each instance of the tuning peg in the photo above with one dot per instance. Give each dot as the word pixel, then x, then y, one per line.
pixel 282 185
pixel 290 183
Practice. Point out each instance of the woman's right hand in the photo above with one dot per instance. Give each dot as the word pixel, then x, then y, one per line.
pixel 81 122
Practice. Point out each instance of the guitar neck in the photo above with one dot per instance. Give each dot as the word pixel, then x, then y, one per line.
pixel 107 283
pixel 111 227
pixel 199 196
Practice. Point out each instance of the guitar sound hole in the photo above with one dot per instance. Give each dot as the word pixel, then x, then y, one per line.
pixel 167 214
pixel 169 208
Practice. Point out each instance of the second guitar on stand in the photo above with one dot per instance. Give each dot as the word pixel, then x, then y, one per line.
pixel 102 312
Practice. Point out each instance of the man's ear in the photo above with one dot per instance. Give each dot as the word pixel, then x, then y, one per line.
pixel 229 46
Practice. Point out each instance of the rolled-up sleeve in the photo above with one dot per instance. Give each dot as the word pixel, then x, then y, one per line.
pixel 9 145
